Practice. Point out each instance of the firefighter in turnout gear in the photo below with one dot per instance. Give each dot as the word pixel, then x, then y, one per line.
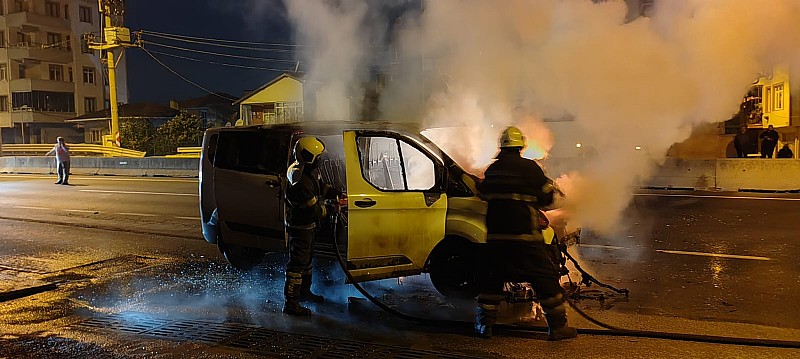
pixel 304 195
pixel 516 189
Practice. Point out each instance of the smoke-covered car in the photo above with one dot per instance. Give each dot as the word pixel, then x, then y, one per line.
pixel 411 209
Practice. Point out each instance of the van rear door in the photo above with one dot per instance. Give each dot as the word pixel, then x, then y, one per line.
pixel 249 176
pixel 396 204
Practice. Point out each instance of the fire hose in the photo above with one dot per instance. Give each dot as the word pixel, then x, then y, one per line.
pixel 608 330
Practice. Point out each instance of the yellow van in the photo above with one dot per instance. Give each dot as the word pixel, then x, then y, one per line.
pixel 411 208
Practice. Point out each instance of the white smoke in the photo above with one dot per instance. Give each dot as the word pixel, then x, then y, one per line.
pixel 488 64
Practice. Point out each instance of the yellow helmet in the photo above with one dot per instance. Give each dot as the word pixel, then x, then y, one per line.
pixel 512 137
pixel 307 149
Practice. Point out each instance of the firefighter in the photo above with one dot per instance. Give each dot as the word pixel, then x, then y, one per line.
pixel 516 189
pixel 304 201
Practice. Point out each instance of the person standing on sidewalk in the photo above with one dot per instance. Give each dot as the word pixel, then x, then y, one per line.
pixel 61 150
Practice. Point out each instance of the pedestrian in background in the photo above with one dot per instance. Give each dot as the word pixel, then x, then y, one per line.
pixel 785 152
pixel 61 150
pixel 740 142
pixel 769 139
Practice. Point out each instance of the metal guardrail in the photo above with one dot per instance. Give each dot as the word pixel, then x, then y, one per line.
pixel 74 149
pixel 186 152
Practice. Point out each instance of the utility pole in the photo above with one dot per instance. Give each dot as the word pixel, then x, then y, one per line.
pixel 113 37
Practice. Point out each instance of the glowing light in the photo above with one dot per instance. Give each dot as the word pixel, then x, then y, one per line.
pixel 638 148
pixel 578 145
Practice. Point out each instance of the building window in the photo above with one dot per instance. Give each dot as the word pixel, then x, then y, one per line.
pixel 2 36
pixel 88 75
pixel 22 71
pixel 85 13
pixel 778 88
pixel 66 12
pixel 52 8
pixel 3 71
pixel 54 39
pixel 22 39
pixel 768 99
pixel 69 74
pixel 4 103
pixel 56 73
pixel 20 5
pixel 89 104
pixel 44 101
pixel 96 136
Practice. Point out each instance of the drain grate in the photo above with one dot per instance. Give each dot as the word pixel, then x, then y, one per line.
pixel 254 339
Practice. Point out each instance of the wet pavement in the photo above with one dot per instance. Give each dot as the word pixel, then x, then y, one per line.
pixel 106 293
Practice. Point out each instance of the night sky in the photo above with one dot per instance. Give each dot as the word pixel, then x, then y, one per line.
pixel 235 20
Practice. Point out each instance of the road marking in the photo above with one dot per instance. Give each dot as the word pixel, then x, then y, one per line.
pixel 704 254
pixel 714 196
pixel 600 246
pixel 140 192
pixel 189 218
pixel 106 178
pixel 81 210
pixel 137 214
pixel 33 207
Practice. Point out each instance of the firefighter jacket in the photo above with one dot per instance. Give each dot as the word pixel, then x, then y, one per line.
pixel 516 188
pixel 304 195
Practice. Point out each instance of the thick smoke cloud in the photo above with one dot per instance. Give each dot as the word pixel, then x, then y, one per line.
pixel 618 82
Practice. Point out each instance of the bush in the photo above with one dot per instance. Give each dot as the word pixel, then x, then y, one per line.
pixel 137 135
pixel 183 130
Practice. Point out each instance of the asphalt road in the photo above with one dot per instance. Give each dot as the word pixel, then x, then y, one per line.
pixel 117 264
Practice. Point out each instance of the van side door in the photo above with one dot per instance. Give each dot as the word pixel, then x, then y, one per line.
pixel 396 204
pixel 250 168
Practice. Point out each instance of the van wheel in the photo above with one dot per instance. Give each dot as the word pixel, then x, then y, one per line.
pixel 452 269
pixel 241 257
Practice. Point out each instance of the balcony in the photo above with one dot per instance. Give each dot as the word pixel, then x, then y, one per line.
pixel 48 53
pixel 29 19
pixel 27 85
pixel 27 116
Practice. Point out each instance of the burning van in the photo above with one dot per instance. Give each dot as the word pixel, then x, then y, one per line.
pixel 410 208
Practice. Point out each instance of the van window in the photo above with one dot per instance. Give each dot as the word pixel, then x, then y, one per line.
pixel 251 151
pixel 390 164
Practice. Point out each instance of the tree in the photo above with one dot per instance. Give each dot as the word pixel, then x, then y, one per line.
pixel 137 135
pixel 182 130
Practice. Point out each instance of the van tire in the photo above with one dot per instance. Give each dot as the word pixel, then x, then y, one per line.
pixel 452 268
pixel 240 257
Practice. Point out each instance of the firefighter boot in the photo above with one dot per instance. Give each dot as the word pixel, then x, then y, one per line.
pixel 305 291
pixel 556 314
pixel 292 294
pixel 485 319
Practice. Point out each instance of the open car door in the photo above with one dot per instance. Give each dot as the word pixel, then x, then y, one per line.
pixel 396 204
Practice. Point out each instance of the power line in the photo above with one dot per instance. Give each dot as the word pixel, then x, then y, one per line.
pixel 220 40
pixel 217 63
pixel 201 42
pixel 219 53
pixel 186 79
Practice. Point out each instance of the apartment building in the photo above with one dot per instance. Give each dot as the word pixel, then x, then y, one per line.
pixel 47 71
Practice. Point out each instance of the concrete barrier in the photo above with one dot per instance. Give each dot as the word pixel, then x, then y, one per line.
pixel 735 174
pixel 680 173
pixel 109 166
pixel 758 174
pixel 706 174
